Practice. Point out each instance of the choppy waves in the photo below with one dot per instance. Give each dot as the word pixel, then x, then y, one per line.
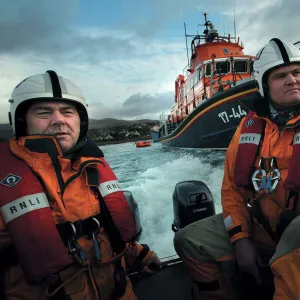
pixel 151 174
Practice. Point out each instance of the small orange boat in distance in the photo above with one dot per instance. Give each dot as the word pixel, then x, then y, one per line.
pixel 143 144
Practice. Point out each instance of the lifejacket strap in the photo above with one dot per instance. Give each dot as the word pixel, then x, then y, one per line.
pixel 234 230
pixel 138 263
pixel 46 145
pixel 113 259
pixel 293 199
pixel 120 280
pixel 260 218
pixel 63 284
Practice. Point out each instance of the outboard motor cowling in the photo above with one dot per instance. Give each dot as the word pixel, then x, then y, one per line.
pixel 135 212
pixel 192 201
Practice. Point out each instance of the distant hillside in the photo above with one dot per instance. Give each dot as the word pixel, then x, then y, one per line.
pixel 110 123
pixel 6 132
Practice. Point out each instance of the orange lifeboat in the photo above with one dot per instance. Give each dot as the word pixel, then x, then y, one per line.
pixel 143 144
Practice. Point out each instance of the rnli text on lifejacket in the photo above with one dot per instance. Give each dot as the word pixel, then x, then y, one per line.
pixel 109 187
pixel 250 138
pixel 23 205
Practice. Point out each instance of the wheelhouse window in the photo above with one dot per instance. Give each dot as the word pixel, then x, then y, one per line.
pixel 191 82
pixel 199 74
pixel 184 92
pixel 251 66
pixel 195 80
pixel 223 66
pixel 208 69
pixel 241 66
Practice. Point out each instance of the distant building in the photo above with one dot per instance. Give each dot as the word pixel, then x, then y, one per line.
pixel 99 138
pixel 155 132
pixel 132 134
pixel 108 137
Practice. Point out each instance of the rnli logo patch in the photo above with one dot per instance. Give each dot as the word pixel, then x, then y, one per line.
pixel 10 180
pixel 249 123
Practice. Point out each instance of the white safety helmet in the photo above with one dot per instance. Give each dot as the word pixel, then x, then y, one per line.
pixel 275 54
pixel 48 86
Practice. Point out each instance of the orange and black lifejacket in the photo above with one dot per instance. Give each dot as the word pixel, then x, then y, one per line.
pixel 25 205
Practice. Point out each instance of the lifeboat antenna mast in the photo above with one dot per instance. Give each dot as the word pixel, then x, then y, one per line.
pixel 234 20
pixel 187 49
pixel 186 45
pixel 206 24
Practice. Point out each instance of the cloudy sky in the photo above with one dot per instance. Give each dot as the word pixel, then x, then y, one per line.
pixel 125 54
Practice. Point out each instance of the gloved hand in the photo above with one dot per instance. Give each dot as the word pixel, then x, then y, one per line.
pixel 152 264
pixel 248 258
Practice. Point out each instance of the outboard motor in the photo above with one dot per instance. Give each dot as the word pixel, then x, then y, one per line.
pixel 135 212
pixel 192 201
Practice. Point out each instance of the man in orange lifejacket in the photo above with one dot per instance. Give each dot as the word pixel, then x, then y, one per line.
pixel 66 228
pixel 260 190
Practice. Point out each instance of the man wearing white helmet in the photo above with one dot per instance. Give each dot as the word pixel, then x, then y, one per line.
pixel 37 118
pixel 260 190
pixel 66 228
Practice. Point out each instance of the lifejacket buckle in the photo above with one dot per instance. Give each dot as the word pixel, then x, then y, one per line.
pixel 261 163
pixel 98 225
pixel 274 179
pixel 95 240
pixel 267 182
pixel 256 179
pixel 75 249
pixel 273 163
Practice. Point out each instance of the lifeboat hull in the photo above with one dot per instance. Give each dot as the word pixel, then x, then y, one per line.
pixel 213 123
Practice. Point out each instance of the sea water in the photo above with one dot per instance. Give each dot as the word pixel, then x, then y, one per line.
pixel 151 173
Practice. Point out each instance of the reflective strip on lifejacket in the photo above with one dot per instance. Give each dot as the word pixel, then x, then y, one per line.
pixel 23 205
pixel 250 138
pixel 109 187
pixel 296 139
pixel 228 222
